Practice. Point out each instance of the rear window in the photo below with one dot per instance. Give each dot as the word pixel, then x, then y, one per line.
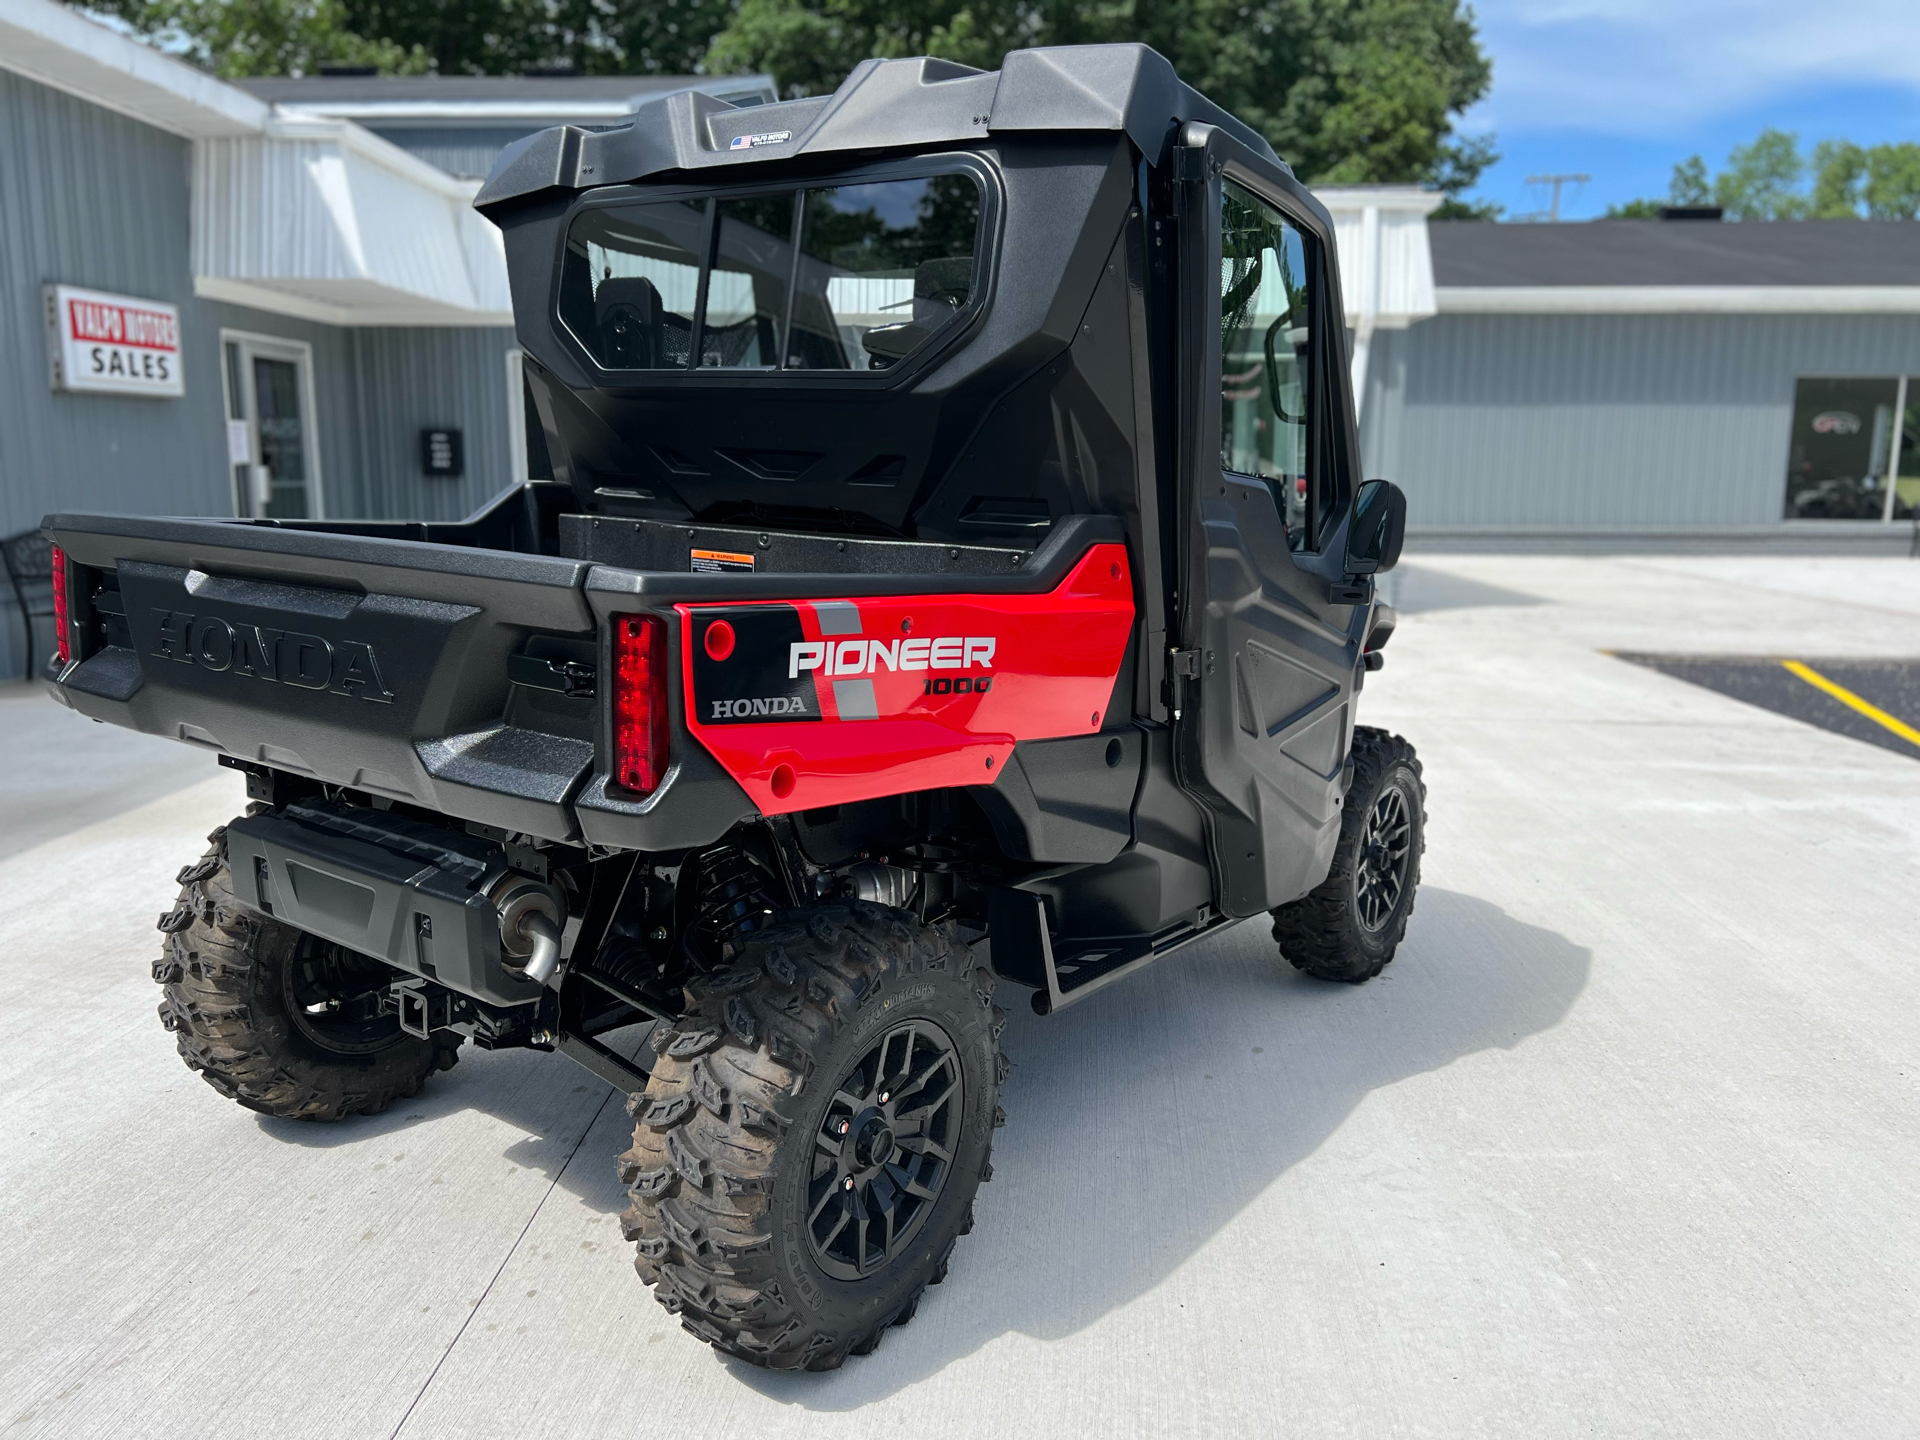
pixel 848 278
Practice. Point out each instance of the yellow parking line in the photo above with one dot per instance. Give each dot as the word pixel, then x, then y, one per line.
pixel 1848 698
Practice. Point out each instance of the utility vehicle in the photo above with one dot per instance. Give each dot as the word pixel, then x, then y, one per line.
pixel 952 575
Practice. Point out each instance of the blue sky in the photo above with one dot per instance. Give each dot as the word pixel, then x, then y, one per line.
pixel 1622 89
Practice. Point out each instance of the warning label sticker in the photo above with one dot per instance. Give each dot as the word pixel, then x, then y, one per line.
pixel 714 562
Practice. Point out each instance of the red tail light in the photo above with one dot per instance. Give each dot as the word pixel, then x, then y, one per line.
pixel 61 627
pixel 639 701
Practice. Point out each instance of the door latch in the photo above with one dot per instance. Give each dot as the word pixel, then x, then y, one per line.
pixel 1185 663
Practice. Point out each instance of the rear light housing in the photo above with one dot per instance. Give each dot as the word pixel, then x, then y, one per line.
pixel 639 702
pixel 62 621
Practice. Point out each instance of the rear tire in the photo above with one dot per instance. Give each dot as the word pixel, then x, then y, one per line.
pixel 237 986
pixel 1348 927
pixel 835 1087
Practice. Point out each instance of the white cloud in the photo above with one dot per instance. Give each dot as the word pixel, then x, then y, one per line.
pixel 1636 67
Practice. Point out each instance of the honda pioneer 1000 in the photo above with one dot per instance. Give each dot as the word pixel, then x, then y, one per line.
pixel 952 574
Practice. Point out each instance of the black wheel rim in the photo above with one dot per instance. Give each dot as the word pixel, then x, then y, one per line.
pixel 334 997
pixel 1380 877
pixel 883 1150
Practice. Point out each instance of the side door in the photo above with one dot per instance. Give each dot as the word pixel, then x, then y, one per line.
pixel 271 443
pixel 1271 627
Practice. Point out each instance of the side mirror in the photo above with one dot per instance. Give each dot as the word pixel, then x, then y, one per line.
pixel 1378 528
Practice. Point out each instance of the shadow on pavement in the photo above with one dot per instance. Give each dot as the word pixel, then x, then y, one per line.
pixel 1416 590
pixel 547 1097
pixel 1144 1120
pixel 1141 1121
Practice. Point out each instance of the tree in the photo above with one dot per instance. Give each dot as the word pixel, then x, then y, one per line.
pixel 235 38
pixel 1762 179
pixel 454 37
pixel 1893 182
pixel 596 37
pixel 1456 171
pixel 1347 91
pixel 1689 185
pixel 1883 180
pixel 1762 182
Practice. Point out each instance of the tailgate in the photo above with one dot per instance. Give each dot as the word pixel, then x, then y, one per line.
pixel 375 663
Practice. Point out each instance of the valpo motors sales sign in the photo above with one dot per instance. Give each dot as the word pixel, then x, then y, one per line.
pixel 113 344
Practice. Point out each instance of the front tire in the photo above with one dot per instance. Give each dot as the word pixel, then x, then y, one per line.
pixel 808 1147
pixel 1349 926
pixel 278 1020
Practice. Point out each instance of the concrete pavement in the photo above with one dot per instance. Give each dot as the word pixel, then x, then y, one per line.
pixel 1625 1142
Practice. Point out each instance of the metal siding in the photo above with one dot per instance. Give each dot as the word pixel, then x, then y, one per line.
pixel 346 222
pixel 1607 420
pixel 90 197
pixel 409 380
pixel 464 151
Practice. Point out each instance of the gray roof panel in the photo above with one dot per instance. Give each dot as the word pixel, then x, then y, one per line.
pixel 1676 252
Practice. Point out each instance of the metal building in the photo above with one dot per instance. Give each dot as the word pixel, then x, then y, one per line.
pixel 272 299
pixel 1634 383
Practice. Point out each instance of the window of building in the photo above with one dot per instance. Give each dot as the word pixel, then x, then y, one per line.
pixel 1265 330
pixel 848 277
pixel 1855 451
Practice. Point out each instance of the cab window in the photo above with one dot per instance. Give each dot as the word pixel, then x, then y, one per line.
pixel 853 277
pixel 1266 319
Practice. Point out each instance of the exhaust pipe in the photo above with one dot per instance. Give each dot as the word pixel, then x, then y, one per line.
pixel 531 915
pixel 546 946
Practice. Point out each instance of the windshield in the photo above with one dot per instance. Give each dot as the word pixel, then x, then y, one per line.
pixel 847 277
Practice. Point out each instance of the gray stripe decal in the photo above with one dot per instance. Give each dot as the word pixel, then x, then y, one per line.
pixel 838 617
pixel 855 700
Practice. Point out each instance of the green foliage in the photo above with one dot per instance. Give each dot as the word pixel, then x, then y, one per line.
pixel 235 38
pixel 1882 180
pixel 1765 181
pixel 1839 167
pixel 1690 185
pixel 1455 171
pixel 455 37
pixel 1762 179
pixel 1348 91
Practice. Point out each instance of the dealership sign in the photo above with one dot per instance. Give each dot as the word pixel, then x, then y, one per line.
pixel 113 344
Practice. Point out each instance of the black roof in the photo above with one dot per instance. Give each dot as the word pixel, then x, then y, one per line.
pixel 913 104
pixel 1677 252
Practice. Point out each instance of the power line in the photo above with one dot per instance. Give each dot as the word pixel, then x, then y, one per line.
pixel 1551 215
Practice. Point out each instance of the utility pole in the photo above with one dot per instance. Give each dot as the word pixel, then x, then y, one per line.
pixel 1552 213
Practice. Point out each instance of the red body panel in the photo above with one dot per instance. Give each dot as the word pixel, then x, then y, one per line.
pixel 888 695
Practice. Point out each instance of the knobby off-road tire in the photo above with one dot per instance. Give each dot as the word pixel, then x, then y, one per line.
pixel 847 1044
pixel 233 983
pixel 1348 927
